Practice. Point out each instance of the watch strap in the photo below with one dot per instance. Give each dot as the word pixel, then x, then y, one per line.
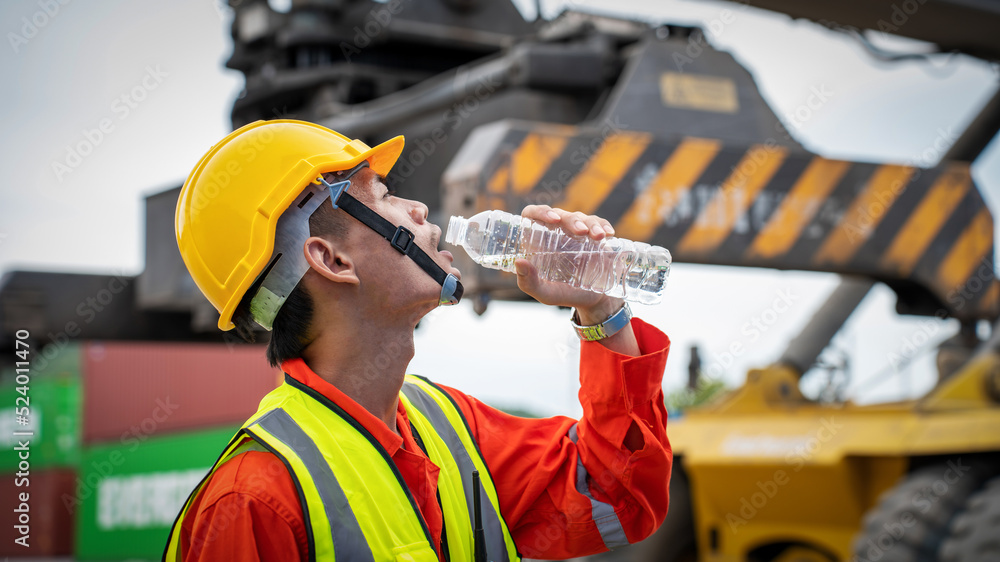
pixel 605 329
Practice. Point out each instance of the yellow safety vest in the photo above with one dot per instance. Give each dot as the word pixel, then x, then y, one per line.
pixel 356 505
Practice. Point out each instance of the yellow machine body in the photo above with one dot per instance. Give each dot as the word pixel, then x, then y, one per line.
pixel 768 467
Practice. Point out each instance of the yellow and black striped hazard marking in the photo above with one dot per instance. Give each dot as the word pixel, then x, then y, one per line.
pixel 763 205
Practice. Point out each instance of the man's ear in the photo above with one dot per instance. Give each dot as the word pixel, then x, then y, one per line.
pixel 329 260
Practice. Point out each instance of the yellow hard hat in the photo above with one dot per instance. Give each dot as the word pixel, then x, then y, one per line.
pixel 230 204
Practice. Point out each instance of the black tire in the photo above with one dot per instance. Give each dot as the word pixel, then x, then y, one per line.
pixel 975 533
pixel 911 520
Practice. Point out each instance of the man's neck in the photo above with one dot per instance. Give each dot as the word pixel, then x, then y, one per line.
pixel 368 365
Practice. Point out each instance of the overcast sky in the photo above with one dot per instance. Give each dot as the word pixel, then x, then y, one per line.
pixel 60 213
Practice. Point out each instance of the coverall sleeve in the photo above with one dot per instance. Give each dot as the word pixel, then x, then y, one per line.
pixel 571 488
pixel 249 511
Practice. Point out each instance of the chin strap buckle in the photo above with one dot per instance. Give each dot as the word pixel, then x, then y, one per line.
pixel 402 239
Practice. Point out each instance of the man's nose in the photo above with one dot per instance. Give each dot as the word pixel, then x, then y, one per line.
pixel 419 212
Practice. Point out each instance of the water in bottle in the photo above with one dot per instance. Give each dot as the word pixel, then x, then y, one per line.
pixel 616 267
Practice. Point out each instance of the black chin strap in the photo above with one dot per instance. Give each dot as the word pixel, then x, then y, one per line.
pixel 401 239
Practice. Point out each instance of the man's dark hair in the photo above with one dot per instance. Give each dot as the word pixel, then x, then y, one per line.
pixel 290 329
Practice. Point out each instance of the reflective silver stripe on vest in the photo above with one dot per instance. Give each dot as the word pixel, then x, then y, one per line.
pixel 349 542
pixel 604 514
pixel 496 546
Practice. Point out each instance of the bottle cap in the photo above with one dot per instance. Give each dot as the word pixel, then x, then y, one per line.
pixel 456 230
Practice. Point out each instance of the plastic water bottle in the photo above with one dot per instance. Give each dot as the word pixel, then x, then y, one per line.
pixel 613 266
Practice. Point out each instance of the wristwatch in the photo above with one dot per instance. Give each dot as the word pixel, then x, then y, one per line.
pixel 605 329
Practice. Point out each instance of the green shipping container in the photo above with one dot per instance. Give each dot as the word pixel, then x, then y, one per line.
pixel 54 395
pixel 55 360
pixel 54 418
pixel 130 493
